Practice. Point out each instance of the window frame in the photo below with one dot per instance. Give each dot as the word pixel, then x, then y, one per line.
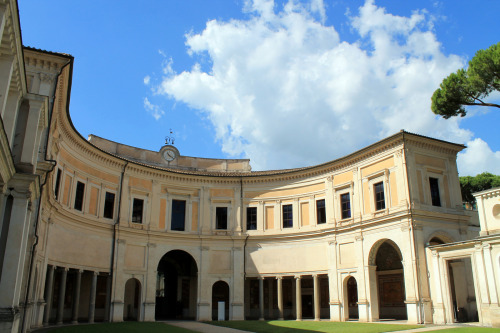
pixel 437 183
pixel 106 191
pixel 143 215
pixel 318 222
pixel 172 211
pixel 341 204
pixel 290 219
pixel 376 194
pixel 339 191
pixel 219 208
pixel 381 176
pixel 58 183
pixel 247 217
pixel 76 196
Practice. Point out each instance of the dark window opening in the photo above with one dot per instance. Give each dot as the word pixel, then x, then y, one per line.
pixel 320 211
pixel 109 205
pixel 80 190
pixel 379 196
pixel 58 183
pixel 434 184
pixel 178 215
pixel 221 218
pixel 345 204
pixel 251 218
pixel 137 208
pixel 287 216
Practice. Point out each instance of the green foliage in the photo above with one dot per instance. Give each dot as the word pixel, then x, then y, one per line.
pixel 481 182
pixel 469 87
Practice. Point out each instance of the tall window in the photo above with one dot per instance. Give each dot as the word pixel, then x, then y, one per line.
pixel 320 211
pixel 109 205
pixel 436 200
pixel 137 209
pixel 80 190
pixel 379 196
pixel 345 205
pixel 251 218
pixel 178 215
pixel 287 216
pixel 221 218
pixel 58 183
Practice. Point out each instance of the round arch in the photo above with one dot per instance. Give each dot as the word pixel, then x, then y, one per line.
pixel 439 237
pixel 220 293
pixel 176 286
pixel 131 300
pixel 387 257
pixel 376 246
pixel 350 286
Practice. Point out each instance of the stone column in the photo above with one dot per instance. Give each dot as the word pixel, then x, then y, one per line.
pixel 316 298
pixel 298 297
pixel 76 297
pixel 270 283
pixel 48 295
pixel 92 297
pixel 280 297
pixel 107 305
pixel 373 293
pixel 62 295
pixel 261 298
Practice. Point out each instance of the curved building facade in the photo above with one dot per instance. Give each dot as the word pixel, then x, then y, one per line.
pixel 118 233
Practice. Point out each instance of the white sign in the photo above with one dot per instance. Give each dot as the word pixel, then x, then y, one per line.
pixel 221 313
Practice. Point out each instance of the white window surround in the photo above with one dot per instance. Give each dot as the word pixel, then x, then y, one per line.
pixel 252 205
pixel 374 178
pixel 426 174
pixel 338 190
pixel 187 213
pixel 228 205
pixel 88 191
pixel 144 197
pixel 314 208
pixel 76 179
pixel 100 209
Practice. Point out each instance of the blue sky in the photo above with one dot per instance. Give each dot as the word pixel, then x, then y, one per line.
pixel 286 84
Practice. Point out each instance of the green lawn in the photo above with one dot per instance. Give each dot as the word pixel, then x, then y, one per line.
pixel 470 330
pixel 282 326
pixel 125 327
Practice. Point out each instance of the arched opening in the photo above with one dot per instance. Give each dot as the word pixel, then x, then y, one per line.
pixel 176 286
pixel 436 241
pixel 131 300
pixel 390 282
pixel 220 293
pixel 352 298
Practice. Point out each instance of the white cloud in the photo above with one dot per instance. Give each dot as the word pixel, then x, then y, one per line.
pixel 284 90
pixel 147 79
pixel 153 109
pixel 478 158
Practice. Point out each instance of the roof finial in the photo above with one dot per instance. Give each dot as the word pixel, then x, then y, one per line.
pixel 169 140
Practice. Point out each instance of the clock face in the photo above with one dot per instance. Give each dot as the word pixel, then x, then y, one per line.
pixel 169 155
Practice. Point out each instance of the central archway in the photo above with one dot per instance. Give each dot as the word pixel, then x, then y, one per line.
pixel 176 286
pixel 390 281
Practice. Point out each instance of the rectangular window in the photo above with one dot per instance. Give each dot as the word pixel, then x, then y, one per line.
pixel 58 183
pixel 434 184
pixel 221 218
pixel 320 211
pixel 109 205
pixel 287 216
pixel 251 218
pixel 379 196
pixel 80 191
pixel 178 215
pixel 345 205
pixel 137 208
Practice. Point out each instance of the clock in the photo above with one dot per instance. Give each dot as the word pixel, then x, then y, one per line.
pixel 169 154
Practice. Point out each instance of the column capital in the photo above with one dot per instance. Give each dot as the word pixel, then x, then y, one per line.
pixel 298 277
pixel 95 273
pixel 261 277
pixel 279 277
pixel 79 271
